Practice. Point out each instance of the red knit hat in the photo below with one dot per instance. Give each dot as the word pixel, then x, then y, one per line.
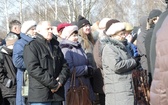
pixel 62 26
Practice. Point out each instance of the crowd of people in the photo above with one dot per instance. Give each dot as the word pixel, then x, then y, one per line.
pixel 102 54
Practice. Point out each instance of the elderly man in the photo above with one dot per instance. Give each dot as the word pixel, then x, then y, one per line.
pixel 47 68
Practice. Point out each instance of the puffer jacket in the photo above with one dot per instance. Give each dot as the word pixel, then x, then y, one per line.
pixel 77 58
pixel 19 64
pixel 159 86
pixel 44 66
pixel 117 68
pixel 153 40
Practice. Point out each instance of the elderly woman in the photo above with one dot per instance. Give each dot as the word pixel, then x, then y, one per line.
pixel 117 66
pixel 76 57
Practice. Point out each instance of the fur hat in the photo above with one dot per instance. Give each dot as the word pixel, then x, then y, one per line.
pixel 61 26
pixel 114 28
pixel 154 13
pixel 110 22
pixel 68 31
pixel 128 26
pixel 102 23
pixel 82 21
pixel 27 25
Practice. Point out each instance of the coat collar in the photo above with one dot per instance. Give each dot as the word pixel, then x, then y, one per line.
pixel 25 37
pixel 70 44
pixel 41 39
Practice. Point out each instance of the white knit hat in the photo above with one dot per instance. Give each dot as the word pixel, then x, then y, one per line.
pixel 67 31
pixel 114 28
pixel 27 25
pixel 102 23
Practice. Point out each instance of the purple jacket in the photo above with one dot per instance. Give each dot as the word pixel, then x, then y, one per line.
pixel 77 58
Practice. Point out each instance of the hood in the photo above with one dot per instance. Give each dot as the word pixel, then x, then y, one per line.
pixel 143 23
pixel 107 40
pixel 67 43
pixel 6 50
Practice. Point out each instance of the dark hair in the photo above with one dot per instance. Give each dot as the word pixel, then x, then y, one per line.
pixel 14 22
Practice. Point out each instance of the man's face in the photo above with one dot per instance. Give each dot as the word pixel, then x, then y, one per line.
pixel 16 29
pixel 46 31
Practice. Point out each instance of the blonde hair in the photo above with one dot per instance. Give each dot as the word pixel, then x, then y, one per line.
pixel 86 38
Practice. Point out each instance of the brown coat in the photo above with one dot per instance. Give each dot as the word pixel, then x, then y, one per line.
pixel 159 87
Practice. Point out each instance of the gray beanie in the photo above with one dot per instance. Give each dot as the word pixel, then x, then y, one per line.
pixel 154 13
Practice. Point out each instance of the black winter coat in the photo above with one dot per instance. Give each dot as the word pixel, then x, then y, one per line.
pixel 7 72
pixel 44 66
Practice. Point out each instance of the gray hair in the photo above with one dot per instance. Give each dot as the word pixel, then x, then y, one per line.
pixel 11 37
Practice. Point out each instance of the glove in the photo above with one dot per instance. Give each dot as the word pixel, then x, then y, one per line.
pixel 137 59
pixel 90 71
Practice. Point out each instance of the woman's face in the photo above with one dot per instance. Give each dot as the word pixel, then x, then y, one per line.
pixel 73 37
pixel 120 36
pixel 32 31
pixel 87 29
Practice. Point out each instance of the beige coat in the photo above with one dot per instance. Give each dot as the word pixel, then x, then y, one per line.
pixel 159 87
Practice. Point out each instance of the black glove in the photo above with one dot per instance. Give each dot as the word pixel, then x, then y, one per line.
pixel 137 59
pixel 90 72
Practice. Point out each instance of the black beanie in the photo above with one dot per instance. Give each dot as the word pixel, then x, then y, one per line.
pixel 82 22
pixel 154 13
pixel 110 22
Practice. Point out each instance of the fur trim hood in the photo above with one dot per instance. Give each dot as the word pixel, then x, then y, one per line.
pixel 107 40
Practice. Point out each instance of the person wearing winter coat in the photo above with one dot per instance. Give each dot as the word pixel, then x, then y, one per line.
pixel 76 58
pixel 48 70
pixel 27 34
pixel 141 42
pixel 117 67
pixel 98 82
pixel 8 71
pixel 153 39
pixel 86 38
pixel 129 37
pixel 152 20
pixel 158 90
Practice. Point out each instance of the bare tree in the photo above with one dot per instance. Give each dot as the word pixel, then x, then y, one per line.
pixel 21 19
pixel 68 10
pixel 6 15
